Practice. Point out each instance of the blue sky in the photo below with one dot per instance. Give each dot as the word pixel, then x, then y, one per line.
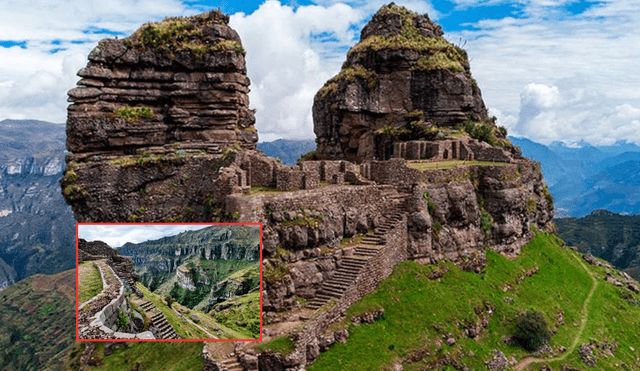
pixel 116 235
pixel 550 70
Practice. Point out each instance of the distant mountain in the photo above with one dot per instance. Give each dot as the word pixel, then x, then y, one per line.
pixel 37 227
pixel 610 236
pixel 586 178
pixel 289 151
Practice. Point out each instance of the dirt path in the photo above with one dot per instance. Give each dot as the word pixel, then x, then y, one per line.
pixel 195 324
pixel 583 323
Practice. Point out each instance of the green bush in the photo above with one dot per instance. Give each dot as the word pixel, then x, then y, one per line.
pixel 531 330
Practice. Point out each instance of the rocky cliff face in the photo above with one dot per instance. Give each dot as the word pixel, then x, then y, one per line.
pixel 158 261
pixel 36 226
pixel 170 102
pixel 401 73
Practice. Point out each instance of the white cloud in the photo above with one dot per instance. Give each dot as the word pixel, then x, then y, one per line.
pixel 289 59
pixel 116 235
pixel 33 80
pixel 557 77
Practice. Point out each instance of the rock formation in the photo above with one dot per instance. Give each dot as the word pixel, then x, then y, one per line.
pixel 179 80
pixel 402 77
pixel 157 261
pixel 333 229
pixel 169 101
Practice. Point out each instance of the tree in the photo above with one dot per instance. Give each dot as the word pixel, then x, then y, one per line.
pixel 169 300
pixel 531 330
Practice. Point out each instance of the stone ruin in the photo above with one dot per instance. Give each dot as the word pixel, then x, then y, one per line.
pixel 382 125
pixel 402 81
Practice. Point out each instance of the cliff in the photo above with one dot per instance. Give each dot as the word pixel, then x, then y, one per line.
pixel 36 226
pixel 157 261
pixel 403 77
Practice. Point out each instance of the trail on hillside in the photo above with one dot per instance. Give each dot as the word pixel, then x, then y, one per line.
pixel 583 323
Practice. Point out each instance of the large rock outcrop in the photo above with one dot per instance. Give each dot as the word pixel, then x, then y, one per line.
pixel 401 73
pixel 179 80
pixel 156 115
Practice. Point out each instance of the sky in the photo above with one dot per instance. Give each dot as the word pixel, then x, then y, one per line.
pixel 549 70
pixel 116 235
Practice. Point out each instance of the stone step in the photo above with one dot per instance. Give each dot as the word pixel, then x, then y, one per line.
pixel 342 280
pixel 335 285
pixel 372 241
pixel 349 266
pixel 344 273
pixel 333 291
pixel 369 254
pixel 353 260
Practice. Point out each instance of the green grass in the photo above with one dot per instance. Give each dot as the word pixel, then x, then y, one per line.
pixel 242 314
pixel 449 164
pixel 89 281
pixel 282 345
pixel 174 356
pixel 418 311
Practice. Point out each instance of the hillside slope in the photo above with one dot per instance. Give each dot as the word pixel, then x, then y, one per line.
pixel 426 306
pixel 37 322
pixel 609 236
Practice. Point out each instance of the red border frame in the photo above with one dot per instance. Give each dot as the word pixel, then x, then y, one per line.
pixel 171 340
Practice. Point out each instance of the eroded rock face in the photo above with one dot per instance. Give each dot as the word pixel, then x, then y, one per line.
pixel 401 71
pixel 155 116
pixel 180 80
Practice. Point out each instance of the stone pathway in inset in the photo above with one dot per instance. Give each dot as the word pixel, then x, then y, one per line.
pixel 159 321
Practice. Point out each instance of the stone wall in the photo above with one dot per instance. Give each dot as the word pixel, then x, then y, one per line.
pixel 105 320
pixel 376 269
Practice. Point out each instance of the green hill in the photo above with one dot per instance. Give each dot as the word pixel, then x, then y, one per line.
pixel 425 306
pixel 609 236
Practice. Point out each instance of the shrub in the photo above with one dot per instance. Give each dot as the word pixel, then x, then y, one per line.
pixel 134 113
pixel 123 319
pixel 531 330
pixel 310 156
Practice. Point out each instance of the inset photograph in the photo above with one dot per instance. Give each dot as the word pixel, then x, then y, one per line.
pixel 169 282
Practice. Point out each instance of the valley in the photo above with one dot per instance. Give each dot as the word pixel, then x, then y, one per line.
pixel 207 285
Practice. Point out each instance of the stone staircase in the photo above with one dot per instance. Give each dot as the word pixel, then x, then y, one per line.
pixel 230 363
pixel 350 267
pixel 159 321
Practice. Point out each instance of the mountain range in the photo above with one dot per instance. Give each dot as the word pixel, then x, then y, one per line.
pixel 583 178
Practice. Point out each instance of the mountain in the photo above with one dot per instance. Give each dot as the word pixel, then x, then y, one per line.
pixel 585 178
pixel 287 150
pixel 199 268
pixel 37 227
pixel 609 236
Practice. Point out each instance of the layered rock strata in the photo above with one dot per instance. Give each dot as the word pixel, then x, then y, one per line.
pixel 401 75
pixel 171 101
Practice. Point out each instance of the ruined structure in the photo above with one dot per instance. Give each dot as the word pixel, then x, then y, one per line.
pixel 402 79
pixel 413 169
